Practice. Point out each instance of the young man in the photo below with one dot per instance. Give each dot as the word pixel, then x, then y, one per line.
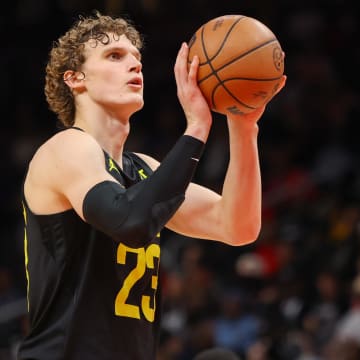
pixel 93 213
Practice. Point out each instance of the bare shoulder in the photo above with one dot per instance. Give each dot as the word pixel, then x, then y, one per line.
pixel 149 160
pixel 71 141
pixel 68 159
pixel 65 148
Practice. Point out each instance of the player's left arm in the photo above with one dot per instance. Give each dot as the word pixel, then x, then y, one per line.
pixel 234 217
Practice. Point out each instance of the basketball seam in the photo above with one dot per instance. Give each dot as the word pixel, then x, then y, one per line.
pixel 208 61
pixel 221 83
pixel 252 79
pixel 229 92
pixel 214 71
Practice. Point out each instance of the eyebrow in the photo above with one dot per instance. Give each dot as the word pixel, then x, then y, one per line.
pixel 134 50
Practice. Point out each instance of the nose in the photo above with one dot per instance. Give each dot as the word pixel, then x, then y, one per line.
pixel 135 65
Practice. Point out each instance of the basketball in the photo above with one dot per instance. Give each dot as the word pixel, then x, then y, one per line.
pixel 240 63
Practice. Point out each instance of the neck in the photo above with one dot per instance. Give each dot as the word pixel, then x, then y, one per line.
pixel 110 132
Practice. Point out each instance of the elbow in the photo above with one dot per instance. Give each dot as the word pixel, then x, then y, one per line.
pixel 243 235
pixel 136 236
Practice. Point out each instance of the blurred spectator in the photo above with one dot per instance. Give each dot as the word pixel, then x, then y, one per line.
pixel 236 328
pixel 309 153
pixel 216 354
pixel 348 328
pixel 324 310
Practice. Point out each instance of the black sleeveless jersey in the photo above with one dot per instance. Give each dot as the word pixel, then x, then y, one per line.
pixel 90 298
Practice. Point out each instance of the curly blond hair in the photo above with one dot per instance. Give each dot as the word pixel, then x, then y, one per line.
pixel 68 54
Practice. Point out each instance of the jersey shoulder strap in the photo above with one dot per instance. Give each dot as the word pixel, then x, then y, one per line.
pixel 136 162
pixel 134 169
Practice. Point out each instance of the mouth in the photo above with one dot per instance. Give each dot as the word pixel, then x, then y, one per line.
pixel 136 82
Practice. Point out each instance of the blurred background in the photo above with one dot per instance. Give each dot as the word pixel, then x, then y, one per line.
pixel 295 293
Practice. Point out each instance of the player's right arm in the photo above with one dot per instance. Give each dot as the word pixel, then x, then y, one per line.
pixel 69 172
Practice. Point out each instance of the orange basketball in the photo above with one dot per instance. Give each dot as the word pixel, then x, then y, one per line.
pixel 241 63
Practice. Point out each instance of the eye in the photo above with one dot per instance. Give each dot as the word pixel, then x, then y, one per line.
pixel 115 55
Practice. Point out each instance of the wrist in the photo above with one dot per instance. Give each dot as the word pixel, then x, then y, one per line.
pixel 243 126
pixel 251 117
pixel 198 131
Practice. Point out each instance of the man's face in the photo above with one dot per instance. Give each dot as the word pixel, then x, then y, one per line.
pixel 113 74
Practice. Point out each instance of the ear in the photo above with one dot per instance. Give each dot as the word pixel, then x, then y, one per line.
pixel 74 79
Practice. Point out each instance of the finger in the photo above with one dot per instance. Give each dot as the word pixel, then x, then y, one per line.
pixel 176 66
pixel 281 84
pixel 181 63
pixel 278 89
pixel 181 59
pixel 194 69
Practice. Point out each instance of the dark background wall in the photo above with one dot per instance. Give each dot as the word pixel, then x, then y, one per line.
pixel 301 272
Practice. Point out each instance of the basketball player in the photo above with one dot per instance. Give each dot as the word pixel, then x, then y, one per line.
pixel 93 213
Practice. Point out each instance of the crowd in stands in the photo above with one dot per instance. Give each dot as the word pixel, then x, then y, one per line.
pixel 294 294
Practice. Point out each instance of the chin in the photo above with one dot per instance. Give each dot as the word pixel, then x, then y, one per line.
pixel 131 104
pixel 139 104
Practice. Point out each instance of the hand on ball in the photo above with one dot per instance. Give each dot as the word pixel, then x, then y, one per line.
pixel 256 114
pixel 192 100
